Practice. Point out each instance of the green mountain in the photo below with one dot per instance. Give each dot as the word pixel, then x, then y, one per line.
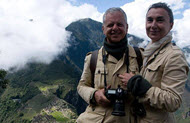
pixel 47 92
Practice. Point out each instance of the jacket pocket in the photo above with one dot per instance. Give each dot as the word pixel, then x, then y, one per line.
pixel 134 69
pixel 92 116
pixel 154 74
pixel 99 77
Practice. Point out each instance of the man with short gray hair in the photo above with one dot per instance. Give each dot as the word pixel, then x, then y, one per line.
pixel 105 92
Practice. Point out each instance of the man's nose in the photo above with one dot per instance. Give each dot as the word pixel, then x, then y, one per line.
pixel 154 24
pixel 115 27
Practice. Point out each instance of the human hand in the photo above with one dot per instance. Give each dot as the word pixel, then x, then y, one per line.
pixel 101 98
pixel 125 77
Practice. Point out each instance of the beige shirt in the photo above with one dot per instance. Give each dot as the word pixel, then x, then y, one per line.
pixel 167 71
pixel 99 114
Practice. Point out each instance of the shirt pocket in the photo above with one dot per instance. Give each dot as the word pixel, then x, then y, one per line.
pixel 99 77
pixel 134 69
pixel 154 74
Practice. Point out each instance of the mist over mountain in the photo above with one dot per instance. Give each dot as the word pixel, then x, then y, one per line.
pixel 48 91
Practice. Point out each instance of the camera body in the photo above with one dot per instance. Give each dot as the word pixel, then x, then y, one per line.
pixel 117 97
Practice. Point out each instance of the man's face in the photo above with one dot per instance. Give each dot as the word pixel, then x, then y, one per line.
pixel 157 23
pixel 115 28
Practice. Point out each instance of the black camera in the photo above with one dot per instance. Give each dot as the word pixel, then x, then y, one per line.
pixel 117 97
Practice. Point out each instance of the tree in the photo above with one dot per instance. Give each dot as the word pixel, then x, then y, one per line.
pixel 3 82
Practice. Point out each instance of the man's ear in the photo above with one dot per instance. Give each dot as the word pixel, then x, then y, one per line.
pixel 171 25
pixel 127 27
pixel 103 28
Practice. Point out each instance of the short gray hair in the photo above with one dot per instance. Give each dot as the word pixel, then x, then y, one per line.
pixel 114 9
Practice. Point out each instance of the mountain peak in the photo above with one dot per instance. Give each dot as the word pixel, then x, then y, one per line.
pixel 85 20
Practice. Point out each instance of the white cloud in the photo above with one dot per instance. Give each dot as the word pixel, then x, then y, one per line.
pixel 34 30
pixel 182 29
pixel 70 13
pixel 136 12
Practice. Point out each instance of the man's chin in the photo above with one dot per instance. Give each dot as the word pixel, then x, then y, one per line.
pixel 154 37
pixel 115 40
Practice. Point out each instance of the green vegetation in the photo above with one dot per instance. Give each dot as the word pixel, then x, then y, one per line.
pixel 60 117
pixel 3 81
pixel 34 88
pixel 67 116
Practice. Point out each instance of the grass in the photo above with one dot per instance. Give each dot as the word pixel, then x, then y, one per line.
pixel 59 116
pixel 44 87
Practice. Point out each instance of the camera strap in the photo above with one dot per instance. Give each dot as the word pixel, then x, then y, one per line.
pixel 104 58
pixel 127 59
pixel 93 61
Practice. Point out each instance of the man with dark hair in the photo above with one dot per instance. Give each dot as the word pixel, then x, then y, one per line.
pixel 161 83
pixel 115 58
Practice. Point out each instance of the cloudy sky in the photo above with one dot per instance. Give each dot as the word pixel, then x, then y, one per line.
pixel 34 30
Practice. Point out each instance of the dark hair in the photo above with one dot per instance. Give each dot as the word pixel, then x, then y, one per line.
pixel 114 9
pixel 164 6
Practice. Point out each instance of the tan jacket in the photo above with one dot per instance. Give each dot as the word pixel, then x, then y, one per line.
pixel 167 72
pixel 99 114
